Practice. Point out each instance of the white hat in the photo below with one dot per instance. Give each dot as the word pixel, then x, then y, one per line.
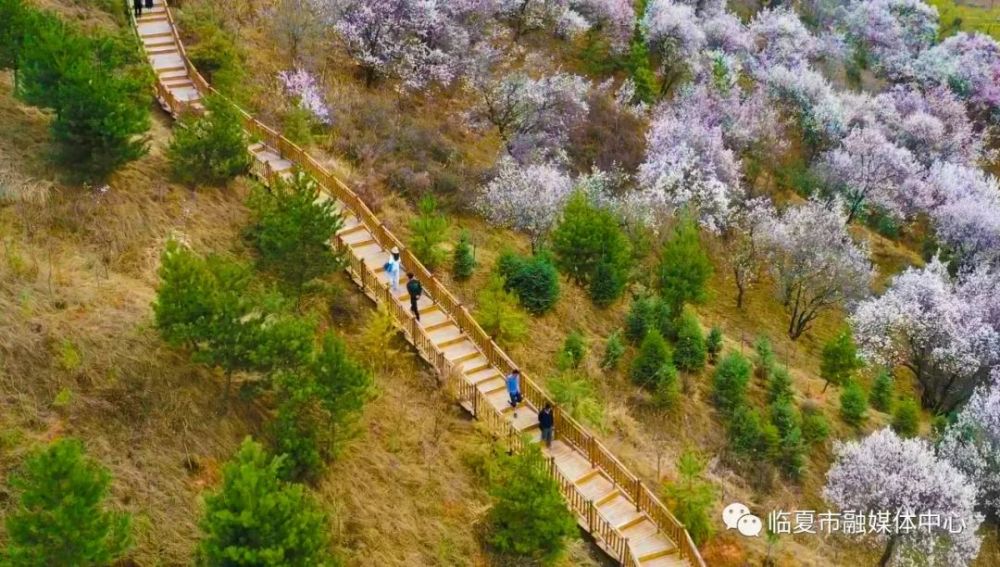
pixel 394 250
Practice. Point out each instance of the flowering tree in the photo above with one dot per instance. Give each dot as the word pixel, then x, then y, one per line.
pixel 725 32
pixel 616 18
pixel 932 326
pixel 814 262
pixel 808 97
pixel 673 32
pixel 780 38
pixel 526 198
pixel 890 33
pixel 688 165
pixel 969 64
pixel 868 169
pixel 967 218
pixel 933 124
pixel 972 444
pixel 533 117
pixel 883 472
pixel 744 251
pixel 301 85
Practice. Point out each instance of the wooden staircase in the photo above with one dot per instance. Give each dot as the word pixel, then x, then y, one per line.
pixel 625 518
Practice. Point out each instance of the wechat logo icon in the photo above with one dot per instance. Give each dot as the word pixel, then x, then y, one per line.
pixel 737 516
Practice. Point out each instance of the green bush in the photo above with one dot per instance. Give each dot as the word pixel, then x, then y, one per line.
pixel 906 418
pixel 647 365
pixel 429 230
pixel 691 498
pixel 764 359
pixel 689 347
pixel 607 285
pixel 573 351
pixel 296 436
pixel 209 148
pixel 881 394
pixel 713 344
pixel 815 427
pixel 61 516
pixel 534 279
pixel 779 387
pixel 647 314
pixel 791 449
pixel 463 259
pixel 839 359
pixel 591 248
pixel 667 388
pixel 853 404
pixel 639 69
pixel 750 436
pixel 684 267
pixel 297 126
pixel 614 349
pixel 528 517
pixel 255 516
pixel 576 395
pixel 499 313
pixel 729 382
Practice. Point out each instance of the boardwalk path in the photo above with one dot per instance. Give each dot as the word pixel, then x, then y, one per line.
pixel 624 516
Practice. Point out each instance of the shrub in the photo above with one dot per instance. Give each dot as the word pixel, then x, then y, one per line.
pixel 684 267
pixel 528 517
pixel 729 383
pixel 667 388
pixel 791 449
pixel 691 497
pixel 839 359
pixel 647 365
pixel 591 248
pixel 534 279
pixel 61 516
pixel 713 344
pixel 296 435
pixel 779 387
pixel 881 394
pixel 575 394
pixel 750 437
pixel 429 229
pixel 614 349
pixel 764 359
pixel 646 314
pixel 292 230
pixel 463 259
pixel 853 404
pixel 573 351
pixel 815 427
pixel 256 516
pixel 211 148
pixel 499 313
pixel 216 53
pixel 689 348
pixel 906 418
pixel 297 126
pixel 607 285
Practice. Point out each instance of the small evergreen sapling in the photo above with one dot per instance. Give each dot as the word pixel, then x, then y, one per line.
pixel 691 497
pixel 779 387
pixel 764 359
pixel 815 427
pixel 684 267
pixel 689 348
pixel 209 148
pixel 573 351
pixel 614 349
pixel 653 355
pixel 881 394
pixel 713 344
pixel 534 279
pixel 429 229
pixel 499 312
pixel 463 259
pixel 906 418
pixel 839 359
pixel 646 314
pixel 60 516
pixel 853 404
pixel 729 382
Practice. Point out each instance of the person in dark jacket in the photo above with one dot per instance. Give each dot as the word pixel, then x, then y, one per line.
pixel 415 290
pixel 149 4
pixel 137 8
pixel 547 423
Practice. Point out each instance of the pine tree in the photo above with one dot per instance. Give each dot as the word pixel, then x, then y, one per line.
pixel 713 344
pixel 14 22
pixel 689 349
pixel 750 436
pixel 463 260
pixel 815 427
pixel 906 418
pixel 429 230
pixel 791 448
pixel 764 359
pixel 292 230
pixel 614 349
pixel 853 404
pixel 684 267
pixel 839 359
pixel 691 497
pixel 209 148
pixel 573 351
pixel 779 387
pixel 607 284
pixel 589 240
pixel 534 279
pixel 653 355
pixel 61 515
pixel 256 518
pixel 881 394
pixel 499 312
pixel 647 314
pixel 729 383
pixel 639 69
pixel 528 516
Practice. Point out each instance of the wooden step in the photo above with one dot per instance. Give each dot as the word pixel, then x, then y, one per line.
pixel 672 560
pixel 444 336
pixel 596 487
pixel 619 510
pixel 651 547
pixel 492 385
pixel 639 530
pixel 461 352
pixel 480 377
pixel 433 317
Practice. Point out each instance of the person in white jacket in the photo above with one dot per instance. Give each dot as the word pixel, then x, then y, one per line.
pixel 392 268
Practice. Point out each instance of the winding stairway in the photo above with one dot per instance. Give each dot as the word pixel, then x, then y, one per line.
pixel 624 517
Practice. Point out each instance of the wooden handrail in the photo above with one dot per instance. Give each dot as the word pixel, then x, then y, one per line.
pixel 567 429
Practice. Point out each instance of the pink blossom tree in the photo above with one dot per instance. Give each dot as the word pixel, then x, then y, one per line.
pixel 780 38
pixel 969 64
pixel 903 477
pixel 931 325
pixel 972 444
pixel 964 206
pixel 744 250
pixel 890 33
pixel 673 32
pixel 808 98
pixel 933 124
pixel 301 85
pixel 616 18
pixel 527 198
pixel 814 262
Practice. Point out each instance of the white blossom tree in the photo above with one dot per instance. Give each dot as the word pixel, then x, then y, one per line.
pixel 528 198
pixel 808 97
pixel 972 444
pixel 932 123
pixel 967 219
pixel 814 262
pixel 744 249
pixel 533 117
pixel 931 325
pixel 673 32
pixel 890 33
pixel 781 39
pixel 969 64
pixel 884 473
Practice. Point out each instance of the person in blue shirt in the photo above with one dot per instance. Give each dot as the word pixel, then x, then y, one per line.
pixel 514 389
